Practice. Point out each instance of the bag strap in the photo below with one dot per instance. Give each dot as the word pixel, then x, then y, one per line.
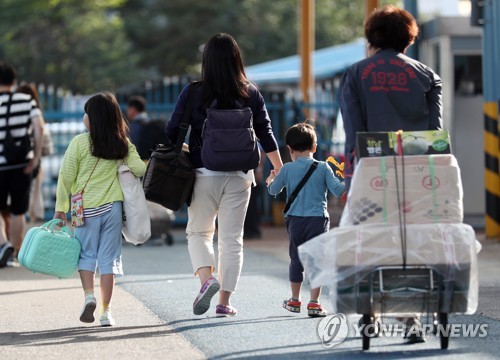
pixel 184 125
pixel 299 187
pixel 7 112
pixel 84 186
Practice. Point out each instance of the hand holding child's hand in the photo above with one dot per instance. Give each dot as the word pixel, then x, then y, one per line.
pixel 271 177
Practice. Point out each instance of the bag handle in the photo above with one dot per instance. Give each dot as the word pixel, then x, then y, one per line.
pixel 184 125
pixel 49 225
pixel 237 104
pixel 299 187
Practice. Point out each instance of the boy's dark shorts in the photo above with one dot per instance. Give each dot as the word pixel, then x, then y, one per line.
pixel 301 229
pixel 17 184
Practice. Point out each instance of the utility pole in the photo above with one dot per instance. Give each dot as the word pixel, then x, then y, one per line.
pixel 306 49
pixel 370 6
pixel 412 7
pixel 491 84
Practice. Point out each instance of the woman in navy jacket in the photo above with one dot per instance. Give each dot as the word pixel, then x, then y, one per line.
pixel 220 195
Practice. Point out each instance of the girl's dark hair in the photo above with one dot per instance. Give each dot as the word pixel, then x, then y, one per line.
pixel 390 27
pixel 301 137
pixel 222 72
pixel 108 129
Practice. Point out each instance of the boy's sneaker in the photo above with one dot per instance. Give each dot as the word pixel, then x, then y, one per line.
pixel 6 251
pixel 87 315
pixel 225 310
pixel 207 291
pixel 106 319
pixel 315 310
pixel 292 305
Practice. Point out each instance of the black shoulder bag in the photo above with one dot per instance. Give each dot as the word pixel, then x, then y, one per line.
pixel 299 187
pixel 170 175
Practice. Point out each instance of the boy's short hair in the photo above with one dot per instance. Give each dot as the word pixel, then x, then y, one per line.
pixel 390 27
pixel 137 102
pixel 301 137
pixel 7 74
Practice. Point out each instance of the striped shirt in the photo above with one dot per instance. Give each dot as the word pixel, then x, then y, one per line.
pixel 97 211
pixel 22 110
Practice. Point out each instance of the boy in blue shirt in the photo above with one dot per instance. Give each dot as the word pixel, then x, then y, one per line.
pixel 307 216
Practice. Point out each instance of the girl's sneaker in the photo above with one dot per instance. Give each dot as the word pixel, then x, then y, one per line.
pixel 106 319
pixel 87 314
pixel 292 305
pixel 207 291
pixel 315 310
pixel 225 310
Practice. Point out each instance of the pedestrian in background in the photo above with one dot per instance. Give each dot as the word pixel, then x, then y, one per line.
pixel 36 208
pixel 217 194
pixel 389 91
pixel 138 118
pixel 20 153
pixel 251 227
pixel 91 163
pixel 308 215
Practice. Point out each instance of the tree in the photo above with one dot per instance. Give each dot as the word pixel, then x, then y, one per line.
pixel 88 46
pixel 79 45
pixel 170 35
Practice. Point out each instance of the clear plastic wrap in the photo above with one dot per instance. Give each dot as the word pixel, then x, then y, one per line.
pixel 440 273
pixel 430 193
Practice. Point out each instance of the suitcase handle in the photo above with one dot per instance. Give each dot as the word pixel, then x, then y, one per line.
pixel 49 225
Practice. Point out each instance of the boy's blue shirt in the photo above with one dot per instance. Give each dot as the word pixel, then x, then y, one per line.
pixel 312 199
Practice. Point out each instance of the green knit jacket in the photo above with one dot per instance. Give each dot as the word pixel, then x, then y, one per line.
pixel 103 186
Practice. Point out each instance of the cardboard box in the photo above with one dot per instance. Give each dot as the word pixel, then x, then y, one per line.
pixel 426 189
pixel 373 144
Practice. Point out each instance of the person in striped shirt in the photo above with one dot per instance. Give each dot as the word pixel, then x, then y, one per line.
pixel 91 163
pixel 20 152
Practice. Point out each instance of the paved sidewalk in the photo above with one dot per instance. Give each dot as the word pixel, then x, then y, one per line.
pixel 39 319
pixel 39 314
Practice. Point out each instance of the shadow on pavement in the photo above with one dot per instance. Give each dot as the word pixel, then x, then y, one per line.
pixel 229 322
pixel 76 335
pixel 353 353
pixel 4 293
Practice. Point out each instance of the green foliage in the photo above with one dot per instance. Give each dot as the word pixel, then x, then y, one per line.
pixel 79 45
pixel 93 45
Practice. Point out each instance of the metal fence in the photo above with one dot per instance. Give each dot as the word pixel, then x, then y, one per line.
pixel 63 114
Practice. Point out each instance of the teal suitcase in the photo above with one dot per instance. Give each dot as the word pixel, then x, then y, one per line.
pixel 49 251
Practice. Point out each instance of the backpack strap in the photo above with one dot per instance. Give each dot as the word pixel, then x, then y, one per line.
pixel 184 125
pixel 299 187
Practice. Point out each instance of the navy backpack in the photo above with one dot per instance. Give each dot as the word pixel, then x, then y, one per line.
pixel 229 140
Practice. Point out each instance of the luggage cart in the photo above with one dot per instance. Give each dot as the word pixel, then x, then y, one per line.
pixel 417 289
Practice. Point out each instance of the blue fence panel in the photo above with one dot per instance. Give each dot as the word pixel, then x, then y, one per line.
pixel 63 115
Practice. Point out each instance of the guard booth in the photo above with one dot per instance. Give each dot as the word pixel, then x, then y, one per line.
pixel 452 47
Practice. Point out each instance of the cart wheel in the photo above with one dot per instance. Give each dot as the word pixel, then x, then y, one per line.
pixel 435 322
pixel 443 320
pixel 367 319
